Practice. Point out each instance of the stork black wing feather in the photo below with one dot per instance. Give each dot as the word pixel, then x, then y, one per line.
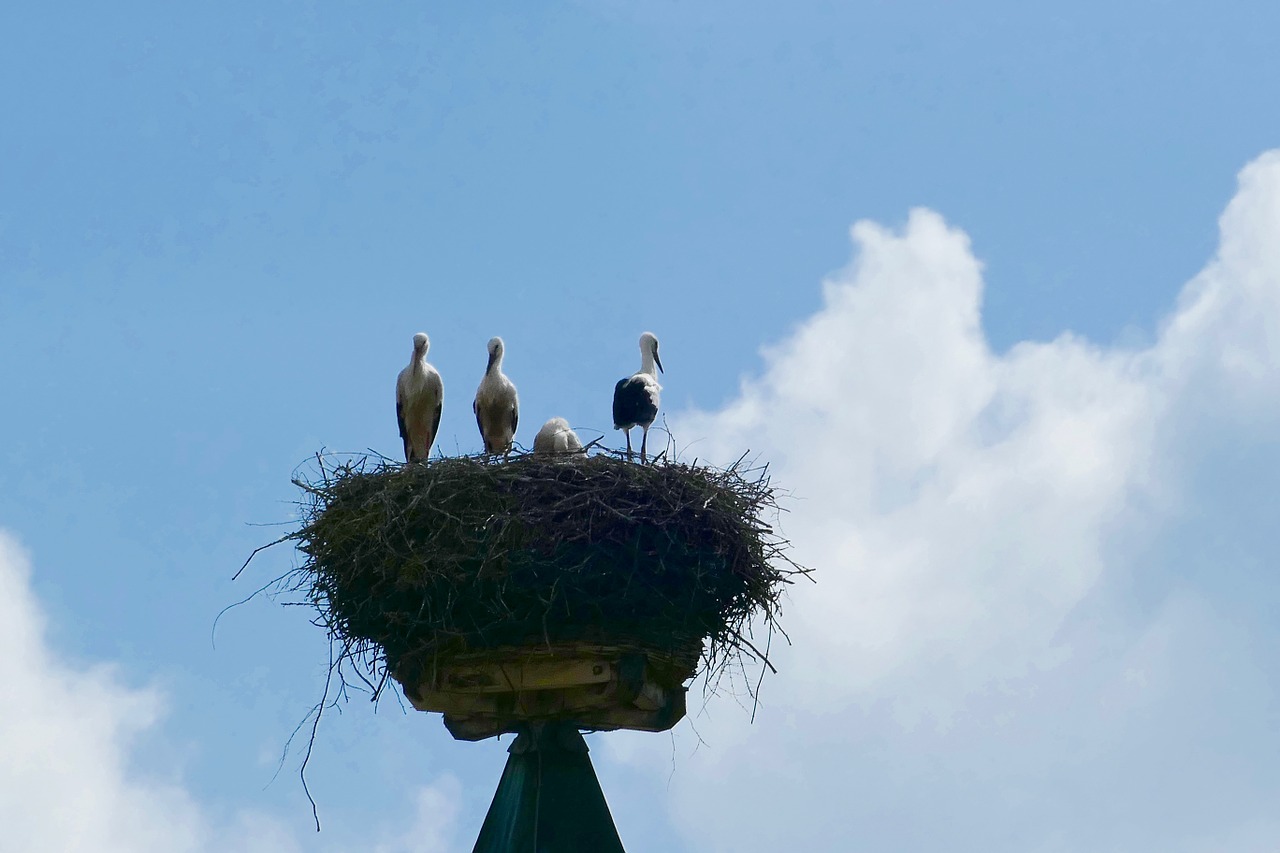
pixel 632 404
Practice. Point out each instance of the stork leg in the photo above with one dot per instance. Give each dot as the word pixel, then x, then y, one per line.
pixel 627 432
pixel 644 439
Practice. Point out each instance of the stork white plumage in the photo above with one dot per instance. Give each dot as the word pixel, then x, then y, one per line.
pixel 419 401
pixel 556 439
pixel 497 406
pixel 636 398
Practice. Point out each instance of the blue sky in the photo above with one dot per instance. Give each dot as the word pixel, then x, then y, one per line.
pixel 220 227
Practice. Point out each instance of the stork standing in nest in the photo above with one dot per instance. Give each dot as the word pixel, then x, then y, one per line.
pixel 419 401
pixel 636 398
pixel 497 406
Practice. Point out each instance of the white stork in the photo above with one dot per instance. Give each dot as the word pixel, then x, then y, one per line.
pixel 419 400
pixel 556 439
pixel 635 399
pixel 497 406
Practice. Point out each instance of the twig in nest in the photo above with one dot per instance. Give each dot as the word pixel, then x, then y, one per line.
pixel 408 566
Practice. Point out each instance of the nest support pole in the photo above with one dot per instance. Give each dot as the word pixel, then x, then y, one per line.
pixel 549 799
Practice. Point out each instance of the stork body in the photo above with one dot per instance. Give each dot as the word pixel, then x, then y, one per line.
pixel 556 439
pixel 497 406
pixel 419 402
pixel 636 398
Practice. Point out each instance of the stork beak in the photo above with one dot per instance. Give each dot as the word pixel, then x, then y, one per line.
pixel 657 361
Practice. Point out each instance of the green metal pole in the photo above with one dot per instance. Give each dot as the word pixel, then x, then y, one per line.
pixel 549 799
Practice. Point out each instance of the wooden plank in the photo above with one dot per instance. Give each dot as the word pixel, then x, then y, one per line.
pixel 507 677
pixel 528 704
pixel 482 697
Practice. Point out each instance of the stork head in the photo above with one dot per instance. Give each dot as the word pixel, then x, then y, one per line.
pixel 496 349
pixel 649 348
pixel 421 343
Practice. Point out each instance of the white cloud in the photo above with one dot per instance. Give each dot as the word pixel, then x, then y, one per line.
pixel 1045 617
pixel 67 734
pixel 435 824
pixel 1015 643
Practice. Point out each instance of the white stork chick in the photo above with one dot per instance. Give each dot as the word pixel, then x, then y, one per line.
pixel 497 406
pixel 419 401
pixel 556 439
pixel 636 398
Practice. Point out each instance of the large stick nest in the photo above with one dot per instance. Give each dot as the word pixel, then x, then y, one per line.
pixel 410 565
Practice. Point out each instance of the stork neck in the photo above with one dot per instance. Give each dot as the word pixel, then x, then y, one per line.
pixel 495 364
pixel 647 364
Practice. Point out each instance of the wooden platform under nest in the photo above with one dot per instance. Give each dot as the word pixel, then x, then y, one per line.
pixel 592 686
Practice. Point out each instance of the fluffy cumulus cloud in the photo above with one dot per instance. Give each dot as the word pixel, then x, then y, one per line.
pixel 1045 610
pixel 1045 619
pixel 67 735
